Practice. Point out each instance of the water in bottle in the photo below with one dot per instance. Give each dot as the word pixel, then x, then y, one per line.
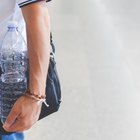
pixel 14 65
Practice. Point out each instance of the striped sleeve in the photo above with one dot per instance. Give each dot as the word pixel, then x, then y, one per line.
pixel 22 3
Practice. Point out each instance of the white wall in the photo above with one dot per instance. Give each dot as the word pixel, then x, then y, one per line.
pixel 98 58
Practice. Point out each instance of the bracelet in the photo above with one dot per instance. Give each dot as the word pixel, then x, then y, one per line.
pixel 28 91
pixel 36 97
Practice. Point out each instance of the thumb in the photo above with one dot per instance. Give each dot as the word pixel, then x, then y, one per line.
pixel 11 117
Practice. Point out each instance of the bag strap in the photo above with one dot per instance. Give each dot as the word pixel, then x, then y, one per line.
pixel 52 44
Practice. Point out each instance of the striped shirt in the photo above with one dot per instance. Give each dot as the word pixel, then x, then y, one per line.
pixel 22 3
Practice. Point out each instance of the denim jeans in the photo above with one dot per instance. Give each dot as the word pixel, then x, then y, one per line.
pixel 14 136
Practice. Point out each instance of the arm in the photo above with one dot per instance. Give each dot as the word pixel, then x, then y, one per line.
pixel 26 111
pixel 38 40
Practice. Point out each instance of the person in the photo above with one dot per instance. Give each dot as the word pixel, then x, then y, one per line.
pixel 34 24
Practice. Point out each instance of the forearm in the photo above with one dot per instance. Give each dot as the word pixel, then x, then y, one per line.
pixel 38 48
pixel 38 42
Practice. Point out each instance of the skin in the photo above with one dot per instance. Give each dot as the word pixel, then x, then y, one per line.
pixel 26 110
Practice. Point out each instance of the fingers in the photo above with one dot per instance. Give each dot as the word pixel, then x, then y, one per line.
pixel 11 118
pixel 20 125
pixel 21 129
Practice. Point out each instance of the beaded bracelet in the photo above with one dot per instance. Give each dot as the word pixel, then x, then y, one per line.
pixel 28 91
pixel 36 97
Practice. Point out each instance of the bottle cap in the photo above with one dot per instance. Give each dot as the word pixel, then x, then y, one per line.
pixel 12 24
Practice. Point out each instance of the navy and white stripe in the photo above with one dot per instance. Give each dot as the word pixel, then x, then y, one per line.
pixel 22 3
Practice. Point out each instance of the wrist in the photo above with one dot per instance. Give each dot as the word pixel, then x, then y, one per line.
pixel 36 94
pixel 38 98
pixel 37 90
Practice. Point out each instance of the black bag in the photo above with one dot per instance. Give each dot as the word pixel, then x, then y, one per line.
pixel 53 91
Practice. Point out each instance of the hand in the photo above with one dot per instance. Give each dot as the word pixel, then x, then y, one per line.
pixel 23 115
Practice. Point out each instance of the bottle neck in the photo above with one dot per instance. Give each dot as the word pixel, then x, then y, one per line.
pixel 12 29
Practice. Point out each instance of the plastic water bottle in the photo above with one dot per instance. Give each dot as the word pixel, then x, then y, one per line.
pixel 14 65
